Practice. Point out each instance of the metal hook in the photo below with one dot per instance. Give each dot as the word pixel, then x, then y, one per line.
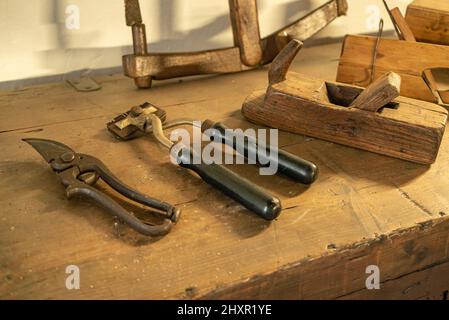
pixel 379 36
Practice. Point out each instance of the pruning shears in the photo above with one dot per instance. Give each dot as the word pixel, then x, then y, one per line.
pixel 79 172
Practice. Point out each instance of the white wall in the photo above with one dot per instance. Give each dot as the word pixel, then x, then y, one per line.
pixel 35 41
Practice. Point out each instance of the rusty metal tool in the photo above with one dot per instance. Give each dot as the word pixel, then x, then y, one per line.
pixel 79 172
pixel 149 119
pixel 136 122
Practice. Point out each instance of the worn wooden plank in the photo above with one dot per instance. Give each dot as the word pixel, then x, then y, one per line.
pixel 399 21
pixel 217 244
pixel 171 65
pixel 429 20
pixel 418 285
pixel 245 27
pixel 341 273
pixel 407 35
pixel 313 22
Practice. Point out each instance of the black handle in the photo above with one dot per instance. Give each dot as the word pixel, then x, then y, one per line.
pixel 243 191
pixel 292 166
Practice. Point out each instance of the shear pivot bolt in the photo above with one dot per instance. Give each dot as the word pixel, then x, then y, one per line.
pixel 68 156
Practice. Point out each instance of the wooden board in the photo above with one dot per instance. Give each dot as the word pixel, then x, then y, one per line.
pixel 245 27
pixel 333 275
pixel 407 34
pixel 364 208
pixel 398 19
pixel 316 20
pixel 379 93
pixel 429 20
pixel 408 59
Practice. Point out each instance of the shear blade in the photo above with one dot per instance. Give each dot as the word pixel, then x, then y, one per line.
pixel 48 149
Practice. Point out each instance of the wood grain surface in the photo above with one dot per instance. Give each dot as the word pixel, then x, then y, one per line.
pixel 379 93
pixel 245 27
pixel 412 130
pixel 429 20
pixel 408 59
pixel 249 52
pixel 364 208
pixel 398 19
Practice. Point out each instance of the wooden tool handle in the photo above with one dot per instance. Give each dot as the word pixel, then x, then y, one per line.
pixel 407 34
pixel 379 93
pixel 401 24
pixel 279 66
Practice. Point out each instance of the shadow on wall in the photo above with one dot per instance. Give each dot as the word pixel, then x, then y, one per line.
pixel 97 48
pixel 291 10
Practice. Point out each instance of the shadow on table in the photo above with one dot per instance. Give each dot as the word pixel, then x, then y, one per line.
pixel 336 159
pixel 209 200
pixel 25 177
pixel 356 167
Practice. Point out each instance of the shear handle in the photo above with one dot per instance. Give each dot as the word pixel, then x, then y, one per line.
pixel 75 187
pixel 290 165
pixel 238 188
pixel 91 164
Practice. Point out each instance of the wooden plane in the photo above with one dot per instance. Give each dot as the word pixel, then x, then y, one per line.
pixel 376 119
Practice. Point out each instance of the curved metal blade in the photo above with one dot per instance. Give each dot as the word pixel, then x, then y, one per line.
pixel 48 149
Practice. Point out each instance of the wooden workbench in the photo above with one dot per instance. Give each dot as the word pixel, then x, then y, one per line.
pixel 365 209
